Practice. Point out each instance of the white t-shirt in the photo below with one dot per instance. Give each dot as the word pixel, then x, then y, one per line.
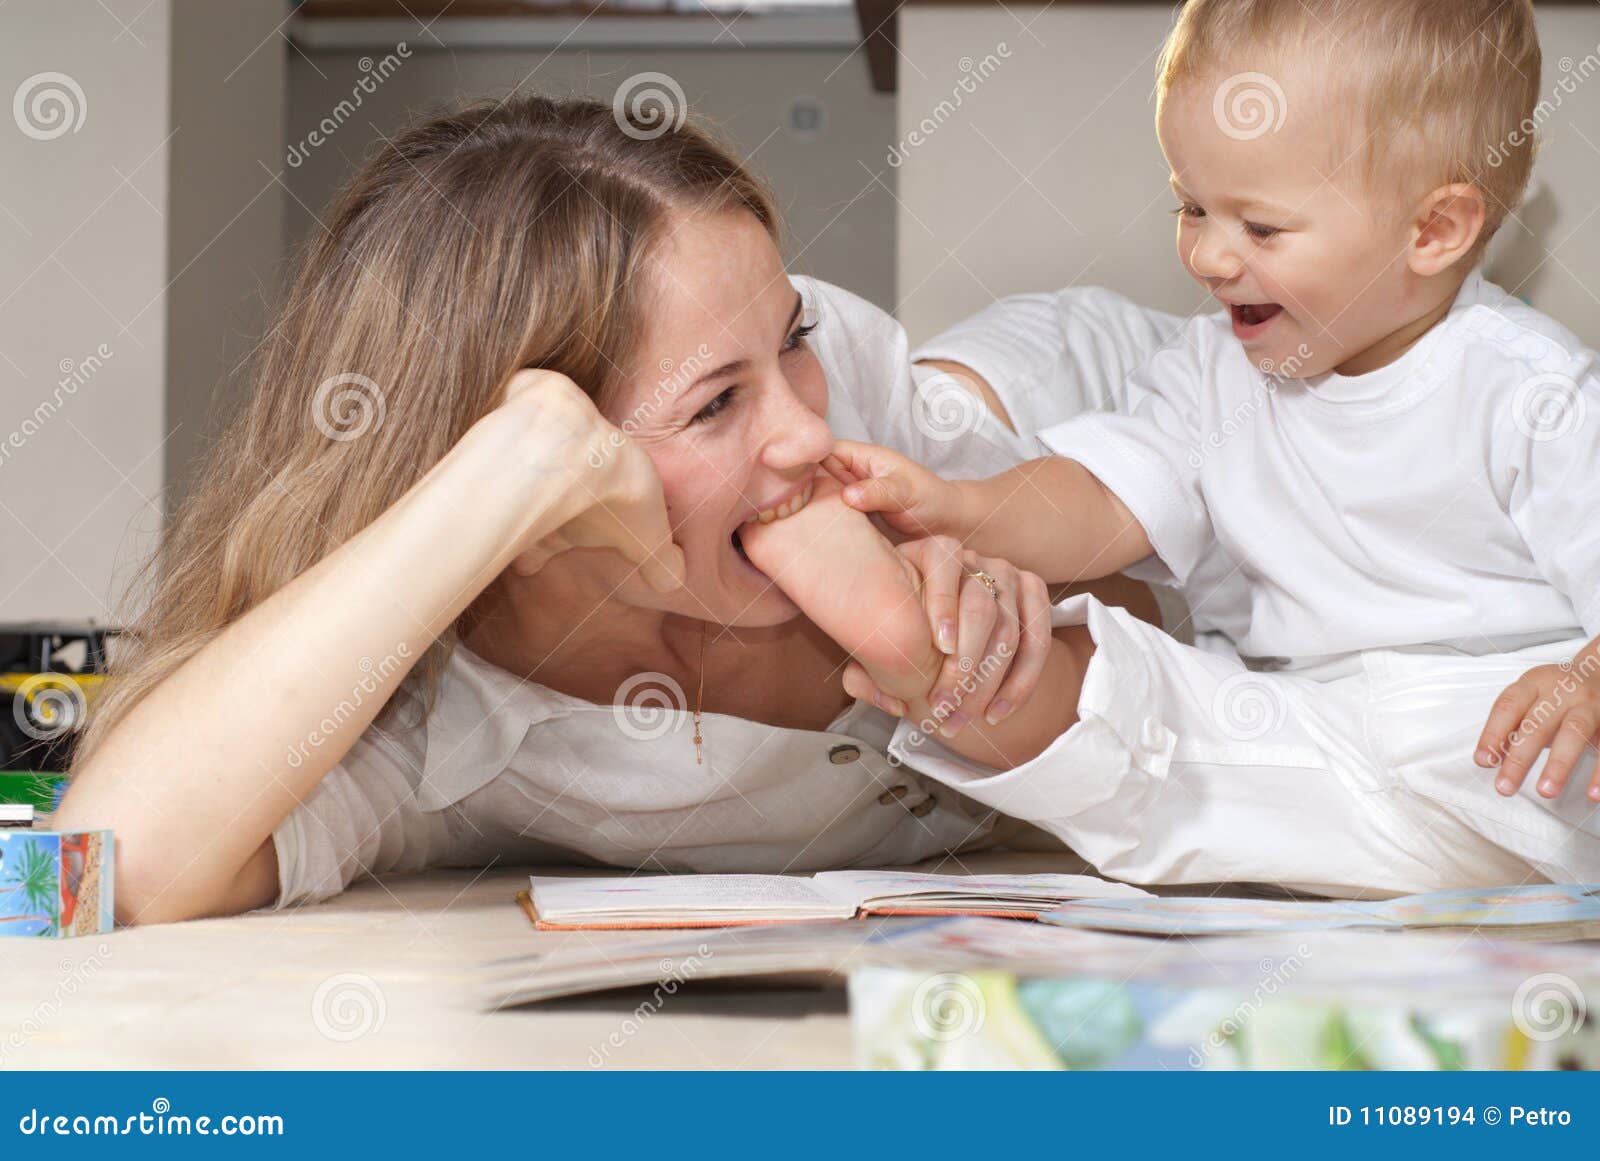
pixel 1446 500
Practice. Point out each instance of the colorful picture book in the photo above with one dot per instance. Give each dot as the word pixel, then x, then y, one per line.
pixel 654 901
pixel 1532 911
pixel 1283 1019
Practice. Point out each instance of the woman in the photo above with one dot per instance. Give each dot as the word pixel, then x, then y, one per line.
pixel 464 581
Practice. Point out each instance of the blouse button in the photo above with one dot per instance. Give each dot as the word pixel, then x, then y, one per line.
pixel 925 806
pixel 892 795
pixel 840 755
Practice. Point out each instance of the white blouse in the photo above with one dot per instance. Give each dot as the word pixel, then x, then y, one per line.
pixel 504 769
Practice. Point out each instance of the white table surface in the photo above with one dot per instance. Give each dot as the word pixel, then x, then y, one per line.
pixel 244 992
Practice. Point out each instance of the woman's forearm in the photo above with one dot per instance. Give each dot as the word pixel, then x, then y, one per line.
pixel 202 770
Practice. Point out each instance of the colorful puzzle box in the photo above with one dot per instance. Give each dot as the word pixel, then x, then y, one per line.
pixel 55 883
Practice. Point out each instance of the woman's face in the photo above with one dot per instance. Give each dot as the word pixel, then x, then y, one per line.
pixel 727 399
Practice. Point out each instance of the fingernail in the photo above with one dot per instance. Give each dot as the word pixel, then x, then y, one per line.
pixel 1548 788
pixel 947 636
pixel 1594 793
pixel 954 725
pixel 998 711
pixel 852 495
pixel 892 706
pixel 1504 786
pixel 1481 757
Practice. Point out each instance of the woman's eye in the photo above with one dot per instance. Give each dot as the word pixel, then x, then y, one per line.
pixel 1255 230
pixel 797 340
pixel 716 407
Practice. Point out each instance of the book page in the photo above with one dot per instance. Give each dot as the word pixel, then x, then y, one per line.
pixel 864 886
pixel 715 894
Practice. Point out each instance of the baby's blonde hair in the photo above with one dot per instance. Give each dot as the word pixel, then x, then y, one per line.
pixel 1446 90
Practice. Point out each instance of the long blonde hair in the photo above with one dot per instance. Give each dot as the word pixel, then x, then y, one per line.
pixel 502 235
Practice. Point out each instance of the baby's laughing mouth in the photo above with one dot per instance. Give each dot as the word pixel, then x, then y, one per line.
pixel 767 515
pixel 1251 319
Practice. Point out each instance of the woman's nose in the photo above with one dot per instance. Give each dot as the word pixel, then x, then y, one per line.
pixel 796 435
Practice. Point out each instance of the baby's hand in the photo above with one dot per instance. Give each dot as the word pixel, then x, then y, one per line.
pixel 909 497
pixel 1551 705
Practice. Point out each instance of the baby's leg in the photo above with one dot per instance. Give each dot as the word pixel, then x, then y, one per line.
pixel 830 560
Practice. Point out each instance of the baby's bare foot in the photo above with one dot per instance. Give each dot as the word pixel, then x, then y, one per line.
pixel 830 560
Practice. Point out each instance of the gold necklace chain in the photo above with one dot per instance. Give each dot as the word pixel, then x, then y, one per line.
pixel 699 699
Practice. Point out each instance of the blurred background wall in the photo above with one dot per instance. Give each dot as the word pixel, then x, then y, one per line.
pixel 164 155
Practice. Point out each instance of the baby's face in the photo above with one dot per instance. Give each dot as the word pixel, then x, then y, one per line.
pixel 1276 221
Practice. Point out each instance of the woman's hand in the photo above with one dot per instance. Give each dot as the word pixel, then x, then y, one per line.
pixel 610 494
pixel 995 645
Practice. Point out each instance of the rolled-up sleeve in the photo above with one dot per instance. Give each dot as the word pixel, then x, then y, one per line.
pixel 362 819
pixel 1052 356
pixel 1151 459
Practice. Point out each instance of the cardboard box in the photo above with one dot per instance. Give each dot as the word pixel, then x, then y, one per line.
pixel 55 883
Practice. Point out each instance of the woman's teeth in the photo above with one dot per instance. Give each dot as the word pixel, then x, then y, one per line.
pixel 787 508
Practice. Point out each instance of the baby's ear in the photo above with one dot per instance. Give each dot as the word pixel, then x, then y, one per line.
pixel 1449 222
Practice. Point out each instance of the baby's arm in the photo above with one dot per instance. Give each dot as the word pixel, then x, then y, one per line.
pixel 846 577
pixel 1051 516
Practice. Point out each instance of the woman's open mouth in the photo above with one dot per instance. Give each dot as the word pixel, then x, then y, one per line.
pixel 767 515
pixel 1251 319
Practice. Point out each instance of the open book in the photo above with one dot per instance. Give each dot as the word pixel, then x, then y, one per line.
pixel 644 901
pixel 1529 911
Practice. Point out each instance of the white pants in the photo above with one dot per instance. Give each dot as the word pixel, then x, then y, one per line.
pixel 1187 767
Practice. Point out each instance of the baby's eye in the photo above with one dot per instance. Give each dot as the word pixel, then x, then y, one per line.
pixel 1256 230
pixel 1187 210
pixel 716 407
